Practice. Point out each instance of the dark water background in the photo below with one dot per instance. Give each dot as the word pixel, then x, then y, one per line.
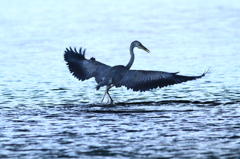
pixel 47 113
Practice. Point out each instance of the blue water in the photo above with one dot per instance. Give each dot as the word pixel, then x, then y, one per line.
pixel 47 113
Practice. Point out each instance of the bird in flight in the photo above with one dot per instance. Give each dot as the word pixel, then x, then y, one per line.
pixel 105 75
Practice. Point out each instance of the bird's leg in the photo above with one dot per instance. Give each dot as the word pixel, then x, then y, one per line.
pixel 111 100
pixel 104 94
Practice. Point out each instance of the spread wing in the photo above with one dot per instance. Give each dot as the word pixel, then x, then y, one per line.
pixel 83 68
pixel 139 80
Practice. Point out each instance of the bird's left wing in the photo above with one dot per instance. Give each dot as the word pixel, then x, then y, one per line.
pixel 81 67
pixel 140 80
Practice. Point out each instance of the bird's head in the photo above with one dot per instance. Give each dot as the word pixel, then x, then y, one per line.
pixel 139 45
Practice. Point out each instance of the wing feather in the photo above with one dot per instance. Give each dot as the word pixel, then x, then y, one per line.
pixel 140 80
pixel 83 68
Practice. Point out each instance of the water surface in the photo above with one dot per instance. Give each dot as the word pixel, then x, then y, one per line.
pixel 47 113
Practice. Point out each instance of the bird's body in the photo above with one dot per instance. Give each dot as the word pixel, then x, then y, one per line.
pixel 105 75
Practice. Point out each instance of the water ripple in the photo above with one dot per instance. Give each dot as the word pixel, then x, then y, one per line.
pixel 47 113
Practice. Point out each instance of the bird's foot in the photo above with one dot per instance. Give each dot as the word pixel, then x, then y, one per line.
pixel 111 101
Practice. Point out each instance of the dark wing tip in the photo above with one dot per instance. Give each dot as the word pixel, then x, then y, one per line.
pixel 72 54
pixel 207 71
pixel 74 50
pixel 74 62
pixel 175 73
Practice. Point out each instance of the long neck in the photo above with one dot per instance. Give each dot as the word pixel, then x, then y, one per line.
pixel 131 59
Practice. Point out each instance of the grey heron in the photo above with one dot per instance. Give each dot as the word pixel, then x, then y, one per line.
pixel 105 75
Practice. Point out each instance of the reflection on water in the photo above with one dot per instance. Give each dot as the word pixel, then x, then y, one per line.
pixel 47 113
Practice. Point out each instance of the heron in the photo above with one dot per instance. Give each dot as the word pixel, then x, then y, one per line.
pixel 120 75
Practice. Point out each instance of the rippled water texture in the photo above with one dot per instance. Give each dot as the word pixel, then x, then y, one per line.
pixel 47 113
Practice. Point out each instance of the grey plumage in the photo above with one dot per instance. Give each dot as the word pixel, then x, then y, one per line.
pixel 105 75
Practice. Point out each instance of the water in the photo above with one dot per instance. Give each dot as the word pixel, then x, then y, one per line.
pixel 47 113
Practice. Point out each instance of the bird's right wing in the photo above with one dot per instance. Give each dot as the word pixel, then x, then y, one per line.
pixel 140 80
pixel 83 68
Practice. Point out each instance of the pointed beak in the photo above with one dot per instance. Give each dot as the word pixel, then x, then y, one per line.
pixel 145 49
